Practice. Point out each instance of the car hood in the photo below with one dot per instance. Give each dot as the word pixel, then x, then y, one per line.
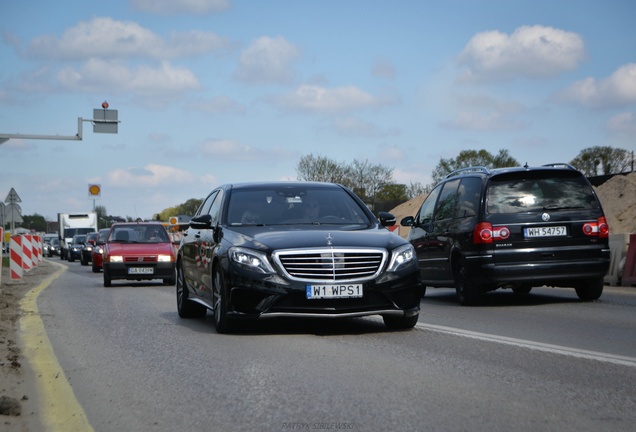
pixel 271 238
pixel 139 248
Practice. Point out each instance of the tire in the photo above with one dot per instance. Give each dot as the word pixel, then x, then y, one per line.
pixel 171 281
pixel 400 323
pixel 107 280
pixel 95 268
pixel 219 301
pixel 589 290
pixel 522 289
pixel 83 261
pixel 466 291
pixel 185 307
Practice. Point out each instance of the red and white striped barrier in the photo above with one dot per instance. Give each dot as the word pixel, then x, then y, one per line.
pixel 15 253
pixel 27 254
pixel 37 250
pixel 1 251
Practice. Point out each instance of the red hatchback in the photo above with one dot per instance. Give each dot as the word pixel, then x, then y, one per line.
pixel 138 251
pixel 98 249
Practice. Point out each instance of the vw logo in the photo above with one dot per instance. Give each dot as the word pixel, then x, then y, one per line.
pixel 545 217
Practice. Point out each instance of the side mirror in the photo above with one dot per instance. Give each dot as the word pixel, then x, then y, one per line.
pixel 386 219
pixel 408 221
pixel 201 222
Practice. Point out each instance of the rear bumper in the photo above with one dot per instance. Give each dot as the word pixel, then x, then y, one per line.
pixel 558 272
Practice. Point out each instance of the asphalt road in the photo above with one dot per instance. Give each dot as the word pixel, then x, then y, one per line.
pixel 544 362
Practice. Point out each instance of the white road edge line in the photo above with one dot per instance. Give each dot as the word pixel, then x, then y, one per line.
pixel 555 349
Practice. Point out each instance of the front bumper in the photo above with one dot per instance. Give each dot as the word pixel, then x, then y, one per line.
pixel 395 294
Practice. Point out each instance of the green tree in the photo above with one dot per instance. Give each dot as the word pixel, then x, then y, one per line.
pixel 602 160
pixel 35 222
pixel 321 168
pixel 188 208
pixel 468 158
pixel 364 178
pixel 390 196
pixel 103 221
pixel 416 189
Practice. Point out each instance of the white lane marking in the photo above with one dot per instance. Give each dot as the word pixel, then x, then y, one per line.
pixel 555 349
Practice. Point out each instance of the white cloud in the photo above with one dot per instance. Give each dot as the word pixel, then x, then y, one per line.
pixel 384 69
pixel 530 51
pixel 623 123
pixel 226 149
pixel 484 113
pixel 312 98
pixel 218 105
pixel 152 175
pixel 267 61
pixel 353 126
pixel 618 90
pixel 165 81
pixel 230 150
pixel 105 38
pixel 169 7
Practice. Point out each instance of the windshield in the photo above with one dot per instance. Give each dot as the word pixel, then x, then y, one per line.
pixel 138 233
pixel 539 192
pixel 283 206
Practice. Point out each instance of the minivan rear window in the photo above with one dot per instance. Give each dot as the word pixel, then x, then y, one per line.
pixel 539 191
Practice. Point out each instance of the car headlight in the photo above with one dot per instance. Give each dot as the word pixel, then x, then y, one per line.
pixel 165 258
pixel 116 258
pixel 401 257
pixel 89 248
pixel 250 259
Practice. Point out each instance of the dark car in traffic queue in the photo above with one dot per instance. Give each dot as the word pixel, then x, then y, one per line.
pixel 138 251
pixel 98 249
pixel 52 247
pixel 75 247
pixel 294 249
pixel 86 255
pixel 483 229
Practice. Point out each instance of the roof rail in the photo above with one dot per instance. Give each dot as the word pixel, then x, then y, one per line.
pixel 560 165
pixel 478 169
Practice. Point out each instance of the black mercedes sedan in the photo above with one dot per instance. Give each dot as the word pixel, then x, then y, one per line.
pixel 294 249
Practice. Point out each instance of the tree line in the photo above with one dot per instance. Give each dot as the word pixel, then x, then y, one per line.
pixel 374 183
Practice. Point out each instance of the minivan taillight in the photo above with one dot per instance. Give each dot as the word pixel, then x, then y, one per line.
pixel 485 233
pixel 600 228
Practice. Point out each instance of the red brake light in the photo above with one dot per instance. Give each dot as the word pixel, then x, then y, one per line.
pixel 485 233
pixel 482 233
pixel 603 227
pixel 600 228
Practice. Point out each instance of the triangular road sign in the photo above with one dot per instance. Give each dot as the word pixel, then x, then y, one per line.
pixel 13 197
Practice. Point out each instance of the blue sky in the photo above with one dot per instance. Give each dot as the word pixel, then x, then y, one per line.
pixel 218 91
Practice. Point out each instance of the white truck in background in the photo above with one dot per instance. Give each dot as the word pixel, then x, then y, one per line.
pixel 72 224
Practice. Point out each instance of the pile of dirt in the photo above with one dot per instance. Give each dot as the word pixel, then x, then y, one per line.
pixel 618 198
pixel 617 195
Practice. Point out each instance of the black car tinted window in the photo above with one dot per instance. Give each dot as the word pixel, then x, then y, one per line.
pixel 447 203
pixel 215 209
pixel 469 194
pixel 539 191
pixel 205 206
pixel 425 214
pixel 312 204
